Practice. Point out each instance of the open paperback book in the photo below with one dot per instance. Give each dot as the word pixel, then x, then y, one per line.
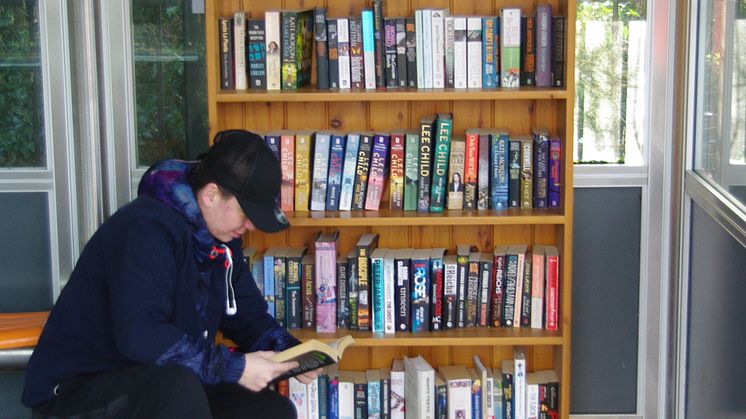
pixel 313 354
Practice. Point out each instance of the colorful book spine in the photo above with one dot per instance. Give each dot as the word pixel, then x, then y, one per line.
pixel 537 287
pixel 471 167
pixel 411 171
pixel 462 275
pixel 377 289
pixel 239 50
pixel 343 52
pixel 455 198
pixel 440 162
pixel 348 171
pixel 527 171
pixel 309 292
pixel 544 45
pixel 420 290
pixel 459 53
pixel 401 293
pixel 287 166
pixel 511 278
pixel 365 246
pixel 411 41
pixel 320 170
pixel 474 52
pixel 450 285
pixel 541 167
pixel 362 169
pixel 369 51
pixel 357 66
pixel 332 44
pixel 352 287
pixel 489 55
pixel 389 45
pixel 519 283
pixel 303 141
pixel 272 45
pixel 551 289
pixel 396 173
pixel 528 51
pixel 322 48
pixel 425 162
pixel 294 292
pixel 256 54
pixel 436 289
pixel 334 179
pixel 377 172
pixel 499 169
pixel 510 50
pixel 555 172
pixel 343 295
pixel 227 80
pixel 269 280
pixel 280 268
pixel 486 285
pixel 325 269
pixel 472 289
pixel 389 274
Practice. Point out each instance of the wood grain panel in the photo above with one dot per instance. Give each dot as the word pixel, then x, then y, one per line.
pixel 512 234
pixel 420 109
pixel 546 114
pixel 346 8
pixel 472 114
pixel 389 116
pixel 426 237
pixel 306 116
pixel 348 116
pixel 264 117
pixel 516 115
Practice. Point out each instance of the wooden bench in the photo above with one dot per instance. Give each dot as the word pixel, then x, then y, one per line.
pixel 19 334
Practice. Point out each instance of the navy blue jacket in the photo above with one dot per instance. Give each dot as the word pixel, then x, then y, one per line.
pixel 138 296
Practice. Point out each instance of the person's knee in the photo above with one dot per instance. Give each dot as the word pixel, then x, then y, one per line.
pixel 178 389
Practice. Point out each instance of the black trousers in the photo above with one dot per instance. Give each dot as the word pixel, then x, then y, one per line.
pixel 171 391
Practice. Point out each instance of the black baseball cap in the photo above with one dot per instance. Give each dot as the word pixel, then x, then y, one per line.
pixel 242 164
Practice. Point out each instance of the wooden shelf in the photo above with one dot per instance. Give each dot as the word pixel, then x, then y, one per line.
pixel 412 218
pixel 311 94
pixel 456 337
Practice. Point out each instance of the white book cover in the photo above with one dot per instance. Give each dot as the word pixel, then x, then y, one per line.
pixel 537 287
pixel 459 52
pixel 532 396
pixel 346 395
pixel 420 382
pixel 343 54
pixel 419 49
pixel 519 384
pixel 272 42
pixel 521 252
pixel 239 49
pixel 427 46
pixel 449 38
pixel 474 51
pixel 439 47
pixel 320 170
pixel 377 289
pixel 397 390
pixel 488 388
pixel 458 388
pixel 369 51
pixel 389 321
pixel 299 397
pixel 313 399
pixel 348 171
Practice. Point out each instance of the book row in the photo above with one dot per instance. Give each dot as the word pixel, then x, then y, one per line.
pixel 412 388
pixel 408 290
pixel 424 170
pixel 431 49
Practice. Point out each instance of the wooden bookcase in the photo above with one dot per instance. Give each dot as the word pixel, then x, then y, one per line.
pixel 517 109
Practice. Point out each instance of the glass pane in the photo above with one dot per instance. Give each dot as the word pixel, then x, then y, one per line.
pixel 21 100
pixel 720 150
pixel 610 103
pixel 170 80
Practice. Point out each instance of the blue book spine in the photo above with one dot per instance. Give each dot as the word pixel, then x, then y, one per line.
pixel 334 183
pixel 377 290
pixel 377 173
pixel 499 170
pixel 348 172
pixel 320 171
pixel 420 291
pixel 323 396
pixel 333 398
pixel 476 401
pixel 273 142
pixel 489 55
pixel 269 283
pixel 555 168
pixel 374 399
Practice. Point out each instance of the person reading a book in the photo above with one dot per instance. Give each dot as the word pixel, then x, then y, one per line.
pixel 132 332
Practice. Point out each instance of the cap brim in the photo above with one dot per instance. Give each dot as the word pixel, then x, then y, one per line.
pixel 267 218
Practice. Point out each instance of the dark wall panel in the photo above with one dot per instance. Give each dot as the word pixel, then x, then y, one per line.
pixel 606 286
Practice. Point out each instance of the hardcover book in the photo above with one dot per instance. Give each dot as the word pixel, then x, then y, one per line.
pixel 322 48
pixel 348 171
pixel 377 173
pixel 427 47
pixel 411 169
pixel 425 161
pixel 455 173
pixel 325 269
pixel 440 162
pixel 510 50
pixel 312 354
pixel 362 169
pixel 396 176
pixel 320 170
pixel 420 388
pixel 458 384
pixel 272 37
pixel 297 47
pixel 334 179
pixel 419 48
pixel 225 26
pixel 257 55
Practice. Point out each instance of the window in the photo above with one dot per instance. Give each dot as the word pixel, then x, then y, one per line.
pixel 21 99
pixel 610 91
pixel 720 107
pixel 170 89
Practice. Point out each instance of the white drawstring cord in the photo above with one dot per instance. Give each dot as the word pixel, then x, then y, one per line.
pixel 231 307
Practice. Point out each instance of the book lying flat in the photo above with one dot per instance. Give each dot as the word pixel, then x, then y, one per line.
pixel 313 354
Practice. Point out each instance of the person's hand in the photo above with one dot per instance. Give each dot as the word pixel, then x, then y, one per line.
pixel 309 376
pixel 260 370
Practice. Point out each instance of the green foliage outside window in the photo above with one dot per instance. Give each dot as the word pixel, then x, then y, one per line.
pixel 21 111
